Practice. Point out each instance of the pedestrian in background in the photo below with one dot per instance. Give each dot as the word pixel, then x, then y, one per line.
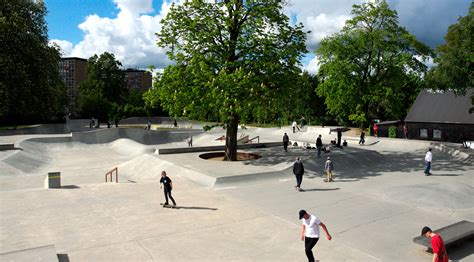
pixel 428 159
pixel 319 145
pixel 286 140
pixel 329 167
pixel 298 171
pixel 362 138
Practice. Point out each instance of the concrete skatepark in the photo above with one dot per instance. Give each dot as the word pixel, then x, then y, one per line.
pixel 239 211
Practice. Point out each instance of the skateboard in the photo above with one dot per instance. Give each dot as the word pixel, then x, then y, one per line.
pixel 326 180
pixel 169 206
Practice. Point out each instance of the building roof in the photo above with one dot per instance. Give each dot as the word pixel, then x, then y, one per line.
pixel 441 107
pixel 73 58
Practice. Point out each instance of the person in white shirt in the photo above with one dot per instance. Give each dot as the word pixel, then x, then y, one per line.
pixel 310 233
pixel 428 159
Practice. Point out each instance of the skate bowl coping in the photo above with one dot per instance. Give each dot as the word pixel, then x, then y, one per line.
pixel 181 150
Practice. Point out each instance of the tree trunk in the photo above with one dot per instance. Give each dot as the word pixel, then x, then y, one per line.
pixel 231 139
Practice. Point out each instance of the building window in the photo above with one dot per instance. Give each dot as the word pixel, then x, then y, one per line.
pixel 424 133
pixel 437 134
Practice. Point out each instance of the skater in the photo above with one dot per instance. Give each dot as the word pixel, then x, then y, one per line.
pixel 329 167
pixel 310 233
pixel 148 125
pixel 303 122
pixel 376 130
pixel 339 136
pixel 167 185
pixel 437 244
pixel 190 141
pixel 298 171
pixel 294 126
pixel 362 138
pixel 428 159
pixel 319 145
pixel 286 140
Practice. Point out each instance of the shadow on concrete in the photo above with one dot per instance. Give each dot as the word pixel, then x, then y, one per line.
pixel 195 208
pixel 445 175
pixel 320 189
pixel 70 187
pixel 352 164
pixel 63 258
pixel 461 250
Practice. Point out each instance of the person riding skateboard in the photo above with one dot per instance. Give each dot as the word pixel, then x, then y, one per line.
pixel 167 185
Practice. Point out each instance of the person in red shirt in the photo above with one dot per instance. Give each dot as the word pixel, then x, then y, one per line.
pixel 437 244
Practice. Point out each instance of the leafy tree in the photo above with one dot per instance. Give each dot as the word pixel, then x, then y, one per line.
pixel 372 67
pixel 30 86
pixel 233 59
pixel 105 84
pixel 455 59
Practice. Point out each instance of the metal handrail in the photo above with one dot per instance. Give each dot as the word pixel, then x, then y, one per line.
pixel 257 137
pixel 111 173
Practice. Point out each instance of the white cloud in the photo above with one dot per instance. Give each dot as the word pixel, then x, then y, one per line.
pixel 130 36
pixel 65 46
pixel 312 67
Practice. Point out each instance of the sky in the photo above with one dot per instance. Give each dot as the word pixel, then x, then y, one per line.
pixel 126 28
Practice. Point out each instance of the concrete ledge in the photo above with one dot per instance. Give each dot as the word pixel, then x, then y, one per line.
pixel 37 254
pixel 181 150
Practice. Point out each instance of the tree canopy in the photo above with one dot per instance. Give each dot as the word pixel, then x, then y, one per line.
pixel 372 68
pixel 104 86
pixel 234 59
pixel 455 59
pixel 31 89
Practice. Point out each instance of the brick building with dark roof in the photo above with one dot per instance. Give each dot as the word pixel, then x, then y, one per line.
pixel 441 116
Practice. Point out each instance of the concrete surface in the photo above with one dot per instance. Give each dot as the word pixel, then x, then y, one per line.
pixel 240 211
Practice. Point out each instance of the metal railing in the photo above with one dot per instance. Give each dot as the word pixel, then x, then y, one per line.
pixel 251 140
pixel 115 169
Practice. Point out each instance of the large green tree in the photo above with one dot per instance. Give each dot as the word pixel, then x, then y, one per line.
pixel 31 89
pixel 233 59
pixel 454 60
pixel 372 67
pixel 104 86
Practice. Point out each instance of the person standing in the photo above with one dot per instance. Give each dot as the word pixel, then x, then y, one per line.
pixel 405 131
pixel 298 171
pixel 376 130
pixel 190 141
pixel 286 140
pixel 319 145
pixel 437 244
pixel 339 136
pixel 167 185
pixel 148 125
pixel 362 138
pixel 294 126
pixel 310 233
pixel 328 166
pixel 428 159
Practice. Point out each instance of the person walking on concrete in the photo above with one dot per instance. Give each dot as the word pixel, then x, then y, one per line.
pixel 190 141
pixel 298 171
pixel 310 233
pixel 428 159
pixel 437 244
pixel 328 166
pixel 286 140
pixel 319 145
pixel 362 138
pixel 167 185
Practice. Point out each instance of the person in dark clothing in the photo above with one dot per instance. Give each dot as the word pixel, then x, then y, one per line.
pixel 319 145
pixel 339 136
pixel 298 171
pixel 167 185
pixel 286 140
pixel 175 124
pixel 362 138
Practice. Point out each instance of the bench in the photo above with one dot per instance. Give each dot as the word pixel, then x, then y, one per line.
pixel 451 234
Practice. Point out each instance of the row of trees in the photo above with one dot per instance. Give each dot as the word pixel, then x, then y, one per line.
pixel 239 61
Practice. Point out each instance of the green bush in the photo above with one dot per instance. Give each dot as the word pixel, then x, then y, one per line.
pixel 392 132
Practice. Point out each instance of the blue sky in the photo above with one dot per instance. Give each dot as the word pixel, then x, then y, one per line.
pixel 126 27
